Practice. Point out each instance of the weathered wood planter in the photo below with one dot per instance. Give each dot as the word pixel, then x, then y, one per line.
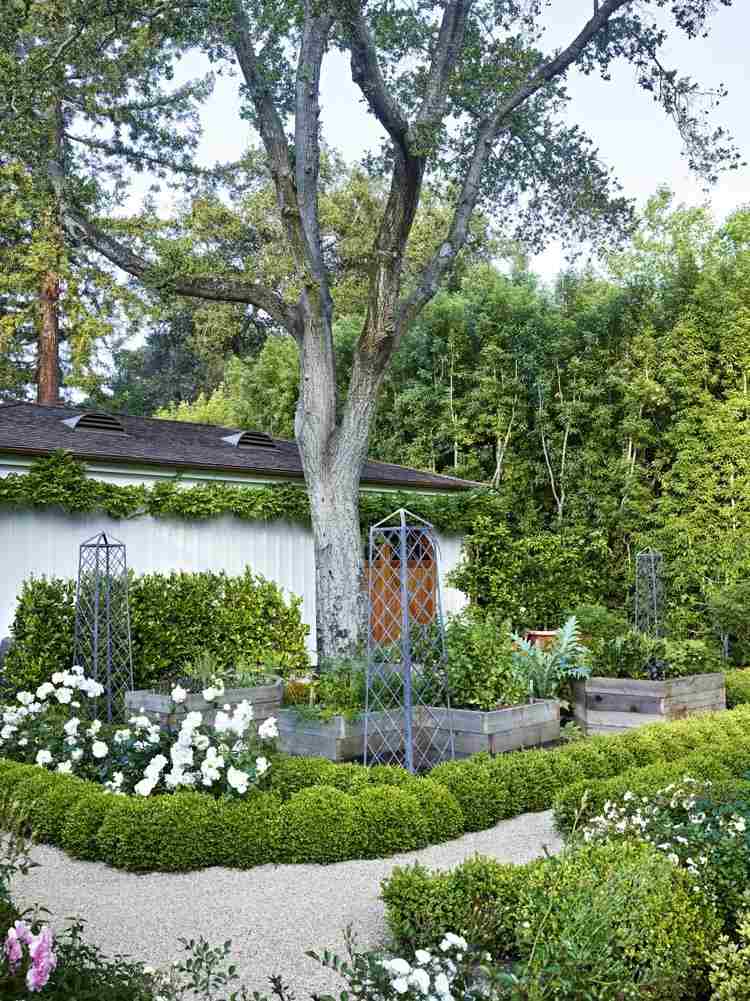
pixel 337 738
pixel 265 700
pixel 611 705
pixel 527 725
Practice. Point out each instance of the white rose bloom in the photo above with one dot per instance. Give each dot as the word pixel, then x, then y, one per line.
pixel 421 980
pixel 144 788
pixel 77 669
pixel 214 758
pixel 442 985
pixel 66 767
pixel 77 754
pixel 173 778
pixel 179 694
pixel 192 721
pixel 181 756
pixel 121 736
pixel 422 956
pixel 222 722
pixel 449 940
pixel 43 758
pixel 25 698
pixel 400 985
pixel 44 690
pixel 201 742
pixel 261 766
pixel 94 728
pixel 23 741
pixel 210 693
pixel 398 966
pixel 140 721
pixel 57 678
pixel 7 731
pixel 92 688
pixel 156 765
pixel 268 729
pixel 71 727
pixel 237 779
pixel 99 749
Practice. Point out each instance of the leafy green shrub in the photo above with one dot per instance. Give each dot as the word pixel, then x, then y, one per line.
pixel 289 775
pixel 169 833
pixel 533 579
pixel 478 899
pixel 483 800
pixel 707 764
pixel 41 633
pixel 598 624
pixel 480 662
pixel 48 798
pixel 638 656
pixel 319 825
pixel 729 975
pixel 442 816
pixel 651 915
pixel 174 619
pixel 613 920
pixel 686 657
pixel 388 820
pixel 698 825
pixel 85 817
pixel 728 612
pixel 738 687
pixel 250 831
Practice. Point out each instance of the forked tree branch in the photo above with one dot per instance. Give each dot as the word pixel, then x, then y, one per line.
pixel 490 129
pixel 216 288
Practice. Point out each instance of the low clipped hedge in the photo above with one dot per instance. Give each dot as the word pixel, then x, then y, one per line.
pixel 726 760
pixel 317 811
pixel 670 928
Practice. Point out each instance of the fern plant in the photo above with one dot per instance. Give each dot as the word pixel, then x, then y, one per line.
pixel 544 670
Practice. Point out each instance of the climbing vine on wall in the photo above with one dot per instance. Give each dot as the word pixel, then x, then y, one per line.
pixel 60 480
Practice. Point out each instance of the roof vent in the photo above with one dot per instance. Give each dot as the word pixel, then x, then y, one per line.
pixel 249 439
pixel 95 422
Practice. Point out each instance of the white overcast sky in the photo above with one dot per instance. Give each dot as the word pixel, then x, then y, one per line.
pixel 631 131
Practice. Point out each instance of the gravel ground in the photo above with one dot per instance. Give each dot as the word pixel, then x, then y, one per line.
pixel 271 913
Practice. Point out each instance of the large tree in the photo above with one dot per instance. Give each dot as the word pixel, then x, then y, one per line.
pixel 463 92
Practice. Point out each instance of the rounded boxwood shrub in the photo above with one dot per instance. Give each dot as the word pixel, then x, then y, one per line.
pixel 482 799
pixel 442 816
pixel 350 778
pixel 250 831
pixel 79 835
pixel 289 775
pixel 47 799
pixel 176 833
pixel 319 824
pixel 388 820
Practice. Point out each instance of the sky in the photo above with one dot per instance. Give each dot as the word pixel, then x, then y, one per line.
pixel 632 133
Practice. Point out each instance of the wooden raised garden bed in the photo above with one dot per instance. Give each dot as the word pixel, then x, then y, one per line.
pixel 265 700
pixel 337 738
pixel 528 725
pixel 611 705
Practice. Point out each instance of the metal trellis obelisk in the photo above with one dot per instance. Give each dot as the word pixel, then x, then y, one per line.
pixel 408 718
pixel 649 593
pixel 102 632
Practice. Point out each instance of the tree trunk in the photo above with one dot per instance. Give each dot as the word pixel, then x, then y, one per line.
pixel 48 342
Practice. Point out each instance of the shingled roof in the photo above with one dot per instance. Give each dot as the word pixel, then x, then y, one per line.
pixel 35 430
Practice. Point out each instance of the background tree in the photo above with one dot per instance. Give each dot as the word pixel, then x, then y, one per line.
pixel 464 94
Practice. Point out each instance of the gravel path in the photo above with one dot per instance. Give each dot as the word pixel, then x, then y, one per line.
pixel 271 913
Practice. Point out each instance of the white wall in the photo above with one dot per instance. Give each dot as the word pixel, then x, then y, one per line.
pixel 46 541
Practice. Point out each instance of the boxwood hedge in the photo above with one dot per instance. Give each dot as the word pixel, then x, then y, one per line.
pixel 315 811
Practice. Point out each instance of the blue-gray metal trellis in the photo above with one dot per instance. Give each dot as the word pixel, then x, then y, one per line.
pixel 649 593
pixel 102 630
pixel 408 715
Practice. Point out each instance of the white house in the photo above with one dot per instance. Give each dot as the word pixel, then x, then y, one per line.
pixel 137 450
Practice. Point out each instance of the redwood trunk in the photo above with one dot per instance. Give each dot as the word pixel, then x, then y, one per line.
pixel 48 362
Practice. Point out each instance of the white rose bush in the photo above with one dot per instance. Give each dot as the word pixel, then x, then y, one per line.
pixel 54 729
pixel 696 826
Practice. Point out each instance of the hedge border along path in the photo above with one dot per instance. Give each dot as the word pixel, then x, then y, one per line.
pixel 316 811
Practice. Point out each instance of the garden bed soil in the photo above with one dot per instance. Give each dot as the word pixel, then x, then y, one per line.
pixel 265 700
pixel 511 729
pixel 612 705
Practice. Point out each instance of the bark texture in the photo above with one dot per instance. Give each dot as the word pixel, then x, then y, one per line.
pixel 48 341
